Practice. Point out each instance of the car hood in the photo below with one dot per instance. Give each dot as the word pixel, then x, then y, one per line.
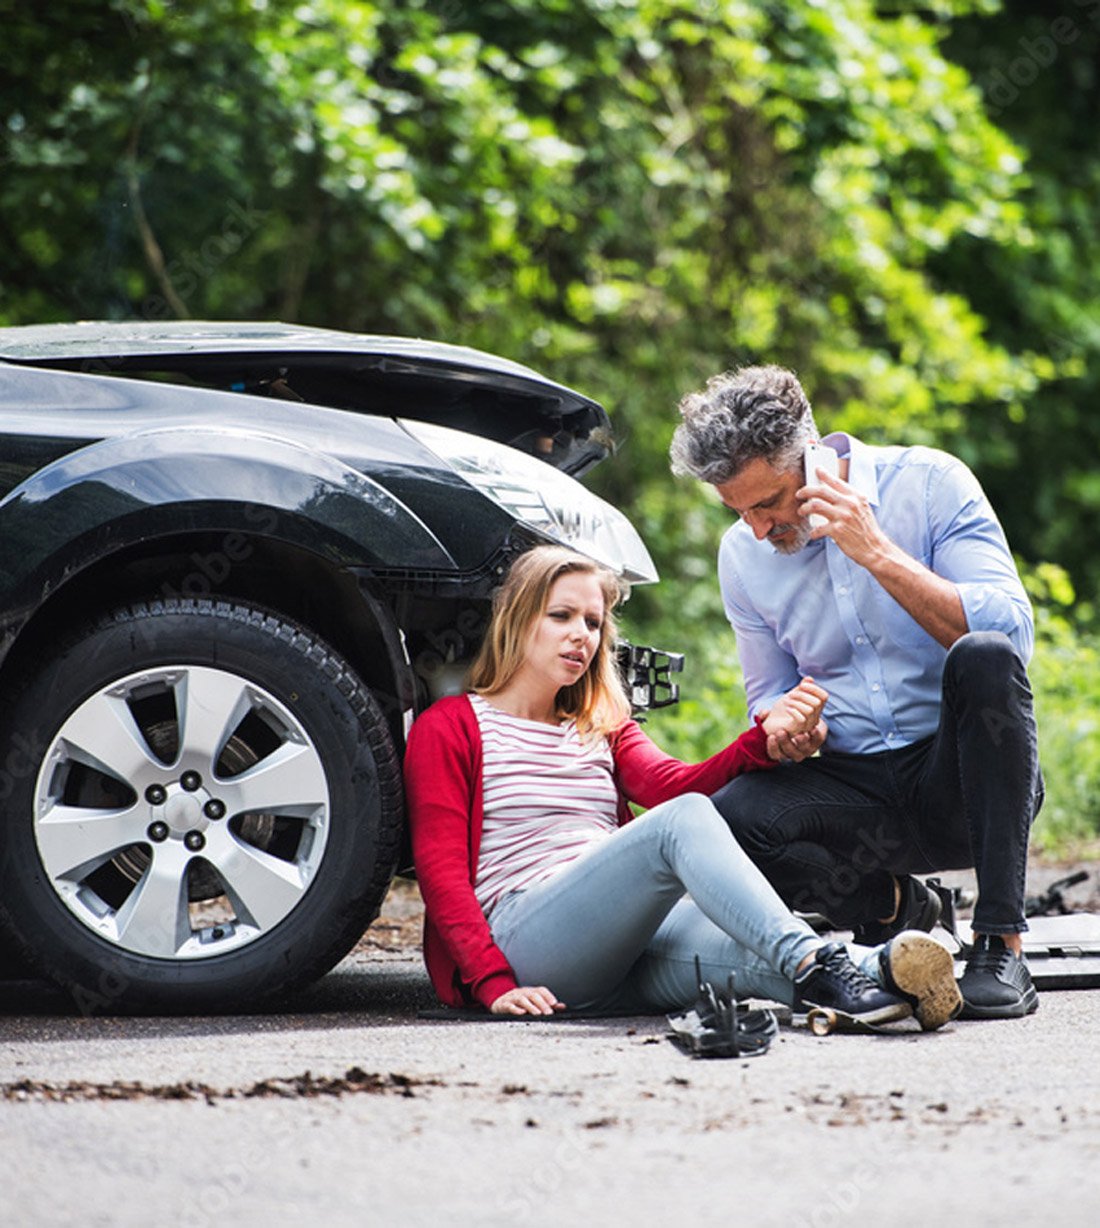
pixel 454 386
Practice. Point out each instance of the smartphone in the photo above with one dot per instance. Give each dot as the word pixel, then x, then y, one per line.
pixel 817 456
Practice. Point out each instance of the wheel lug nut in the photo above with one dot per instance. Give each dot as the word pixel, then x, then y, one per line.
pixel 194 840
pixel 156 795
pixel 190 781
pixel 157 831
pixel 214 809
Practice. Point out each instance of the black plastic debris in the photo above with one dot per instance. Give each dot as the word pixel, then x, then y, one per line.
pixel 720 1026
pixel 1052 902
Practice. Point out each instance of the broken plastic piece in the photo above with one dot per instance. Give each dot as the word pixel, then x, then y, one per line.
pixel 720 1026
pixel 1052 902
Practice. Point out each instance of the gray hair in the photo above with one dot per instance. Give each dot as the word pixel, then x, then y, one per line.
pixel 755 412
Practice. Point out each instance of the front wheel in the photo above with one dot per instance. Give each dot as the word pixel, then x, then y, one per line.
pixel 210 811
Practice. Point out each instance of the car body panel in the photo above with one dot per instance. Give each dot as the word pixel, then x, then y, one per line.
pixel 345 488
pixel 454 386
pixel 48 344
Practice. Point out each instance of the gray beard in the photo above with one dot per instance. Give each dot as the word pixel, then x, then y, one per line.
pixel 800 540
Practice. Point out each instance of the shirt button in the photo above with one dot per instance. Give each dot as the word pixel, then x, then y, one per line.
pixel 860 639
pixel 875 687
pixel 843 590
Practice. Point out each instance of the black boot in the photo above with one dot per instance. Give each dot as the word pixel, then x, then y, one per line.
pixel 918 909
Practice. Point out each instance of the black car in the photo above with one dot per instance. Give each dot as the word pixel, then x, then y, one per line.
pixel 236 560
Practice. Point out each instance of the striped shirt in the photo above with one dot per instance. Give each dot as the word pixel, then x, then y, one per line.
pixel 548 796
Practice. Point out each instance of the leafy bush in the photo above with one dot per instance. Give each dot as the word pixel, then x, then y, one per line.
pixel 1065 675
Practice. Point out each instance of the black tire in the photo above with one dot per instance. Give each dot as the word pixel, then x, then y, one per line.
pixel 267 898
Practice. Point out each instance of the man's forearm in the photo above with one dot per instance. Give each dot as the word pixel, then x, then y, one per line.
pixel 930 600
pixel 933 602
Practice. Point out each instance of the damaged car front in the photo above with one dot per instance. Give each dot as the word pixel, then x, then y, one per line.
pixel 236 561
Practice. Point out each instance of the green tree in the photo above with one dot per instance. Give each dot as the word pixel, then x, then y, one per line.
pixel 1040 78
pixel 627 194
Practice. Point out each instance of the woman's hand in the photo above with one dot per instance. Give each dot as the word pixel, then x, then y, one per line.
pixel 793 748
pixel 527 1000
pixel 794 726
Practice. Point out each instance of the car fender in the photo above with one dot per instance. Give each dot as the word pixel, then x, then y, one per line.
pixel 129 489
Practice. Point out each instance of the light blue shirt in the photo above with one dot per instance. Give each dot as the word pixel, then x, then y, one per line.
pixel 816 612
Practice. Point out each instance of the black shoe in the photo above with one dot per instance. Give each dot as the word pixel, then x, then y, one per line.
pixel 918 909
pixel 832 982
pixel 996 983
pixel 922 971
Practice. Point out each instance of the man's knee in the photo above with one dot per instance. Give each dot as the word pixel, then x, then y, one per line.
pixel 983 664
pixel 744 810
pixel 751 813
pixel 986 685
pixel 982 652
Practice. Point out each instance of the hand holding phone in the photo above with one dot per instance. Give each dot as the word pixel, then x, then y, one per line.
pixel 817 456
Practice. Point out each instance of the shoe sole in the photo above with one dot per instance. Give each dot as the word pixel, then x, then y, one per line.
pixel 1027 1005
pixel 923 970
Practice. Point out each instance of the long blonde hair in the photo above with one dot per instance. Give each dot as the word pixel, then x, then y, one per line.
pixel 597 700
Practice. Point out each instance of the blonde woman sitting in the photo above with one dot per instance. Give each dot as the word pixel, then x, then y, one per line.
pixel 542 891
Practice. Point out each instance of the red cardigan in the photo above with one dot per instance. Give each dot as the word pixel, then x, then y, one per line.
pixel 443 788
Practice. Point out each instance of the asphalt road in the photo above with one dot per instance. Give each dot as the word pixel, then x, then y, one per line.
pixel 347 1108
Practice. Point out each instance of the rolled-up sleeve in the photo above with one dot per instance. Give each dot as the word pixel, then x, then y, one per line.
pixel 969 548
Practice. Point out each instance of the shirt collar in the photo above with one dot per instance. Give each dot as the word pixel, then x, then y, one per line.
pixel 861 467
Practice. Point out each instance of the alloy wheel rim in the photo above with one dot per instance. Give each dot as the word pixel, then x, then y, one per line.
pixel 181 812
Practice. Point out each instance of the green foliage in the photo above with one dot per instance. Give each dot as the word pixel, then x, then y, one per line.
pixel 667 185
pixel 1040 78
pixel 629 195
pixel 1065 676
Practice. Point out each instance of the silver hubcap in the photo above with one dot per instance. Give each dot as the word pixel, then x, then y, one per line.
pixel 181 812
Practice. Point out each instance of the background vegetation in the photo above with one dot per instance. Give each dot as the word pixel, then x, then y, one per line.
pixel 897 200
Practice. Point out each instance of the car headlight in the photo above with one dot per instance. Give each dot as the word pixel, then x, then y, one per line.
pixel 544 498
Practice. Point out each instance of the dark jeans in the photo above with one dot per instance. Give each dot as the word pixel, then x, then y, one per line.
pixel 831 832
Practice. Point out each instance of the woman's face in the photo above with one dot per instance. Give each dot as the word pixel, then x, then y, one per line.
pixel 565 636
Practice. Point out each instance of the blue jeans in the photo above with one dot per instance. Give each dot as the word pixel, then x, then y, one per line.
pixel 612 931
pixel 831 832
